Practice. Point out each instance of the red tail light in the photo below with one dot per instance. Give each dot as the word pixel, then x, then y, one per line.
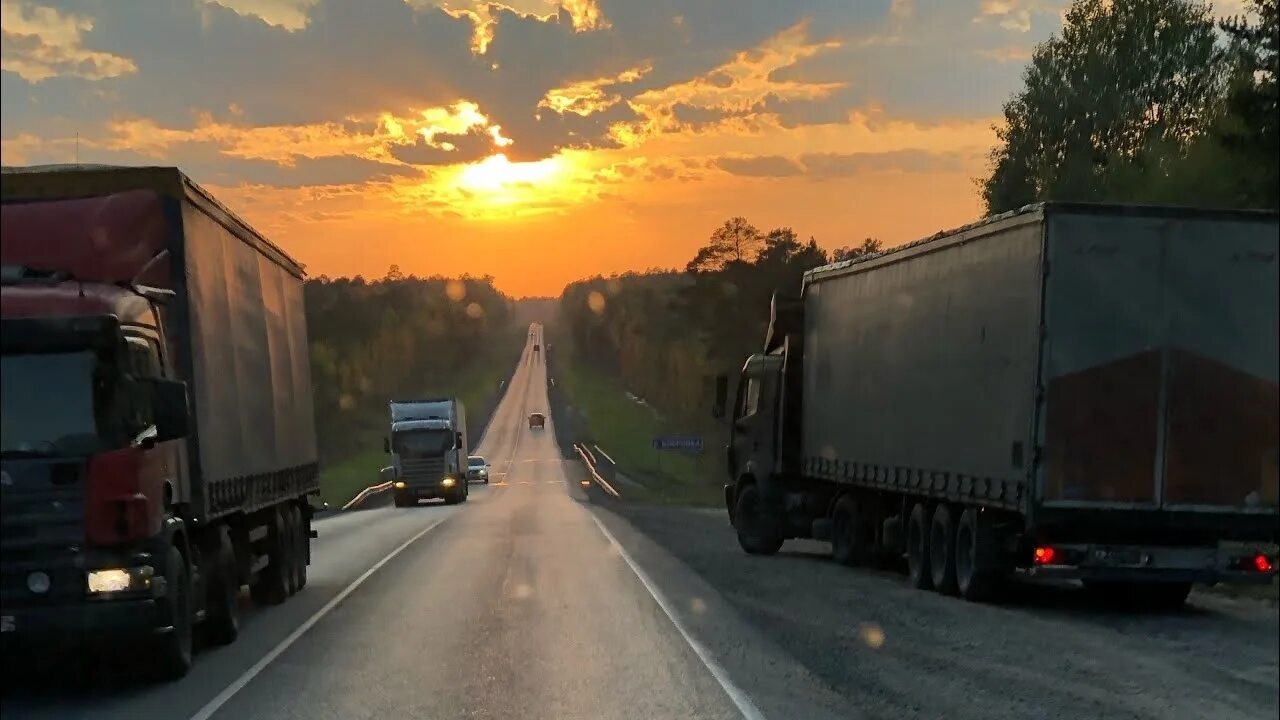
pixel 1045 555
pixel 1262 563
pixel 116 511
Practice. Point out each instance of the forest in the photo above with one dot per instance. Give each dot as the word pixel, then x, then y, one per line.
pixel 399 335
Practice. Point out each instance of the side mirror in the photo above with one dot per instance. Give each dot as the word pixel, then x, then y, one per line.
pixel 722 396
pixel 386 445
pixel 387 474
pixel 169 408
pixel 457 440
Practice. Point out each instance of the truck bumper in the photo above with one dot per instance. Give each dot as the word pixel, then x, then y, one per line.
pixel 1149 564
pixel 51 626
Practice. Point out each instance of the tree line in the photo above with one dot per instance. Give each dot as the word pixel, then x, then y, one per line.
pixel 395 336
pixel 666 333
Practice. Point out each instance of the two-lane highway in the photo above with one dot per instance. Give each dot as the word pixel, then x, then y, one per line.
pixel 536 599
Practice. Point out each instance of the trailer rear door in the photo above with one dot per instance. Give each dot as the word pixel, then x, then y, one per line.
pixel 1160 361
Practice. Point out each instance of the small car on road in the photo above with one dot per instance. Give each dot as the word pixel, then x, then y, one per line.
pixel 537 421
pixel 478 469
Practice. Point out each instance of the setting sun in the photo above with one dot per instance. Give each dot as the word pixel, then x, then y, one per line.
pixel 497 174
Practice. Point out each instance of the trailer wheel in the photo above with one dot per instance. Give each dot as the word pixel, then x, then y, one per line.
pixel 849 544
pixel 170 656
pixel 306 543
pixel 222 623
pixel 298 538
pixel 942 550
pixel 754 535
pixel 918 548
pixel 269 588
pixel 975 580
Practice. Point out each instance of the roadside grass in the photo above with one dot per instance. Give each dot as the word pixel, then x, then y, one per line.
pixel 476 386
pixel 625 430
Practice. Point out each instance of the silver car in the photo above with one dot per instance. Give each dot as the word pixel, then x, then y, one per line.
pixel 478 469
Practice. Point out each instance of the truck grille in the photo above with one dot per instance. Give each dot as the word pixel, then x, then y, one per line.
pixel 42 506
pixel 422 472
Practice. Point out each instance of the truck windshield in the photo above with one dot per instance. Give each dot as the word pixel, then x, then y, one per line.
pixel 48 404
pixel 419 443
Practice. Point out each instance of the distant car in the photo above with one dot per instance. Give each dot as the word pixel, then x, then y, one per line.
pixel 536 347
pixel 537 420
pixel 478 469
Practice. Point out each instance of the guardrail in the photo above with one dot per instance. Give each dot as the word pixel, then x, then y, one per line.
pixel 586 460
pixel 365 493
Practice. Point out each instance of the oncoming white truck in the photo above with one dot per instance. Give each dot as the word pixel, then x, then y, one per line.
pixel 428 447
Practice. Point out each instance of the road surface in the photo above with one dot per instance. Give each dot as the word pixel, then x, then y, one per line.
pixel 539 599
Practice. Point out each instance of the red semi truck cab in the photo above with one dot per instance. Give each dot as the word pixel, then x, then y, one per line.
pixel 92 417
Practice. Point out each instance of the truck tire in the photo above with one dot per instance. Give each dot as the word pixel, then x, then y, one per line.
pixel 400 500
pixel 753 535
pixel 306 544
pixel 974 548
pixel 299 538
pixel 849 542
pixel 918 548
pixel 170 653
pixel 942 550
pixel 222 621
pixel 269 588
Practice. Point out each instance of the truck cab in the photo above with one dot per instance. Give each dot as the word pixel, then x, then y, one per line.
pixel 428 449
pixel 91 437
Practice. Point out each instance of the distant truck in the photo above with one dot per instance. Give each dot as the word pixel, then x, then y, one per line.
pixel 428 447
pixel 158 441
pixel 1069 391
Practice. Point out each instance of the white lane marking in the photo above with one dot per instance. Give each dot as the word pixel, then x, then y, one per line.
pixel 736 695
pixel 229 692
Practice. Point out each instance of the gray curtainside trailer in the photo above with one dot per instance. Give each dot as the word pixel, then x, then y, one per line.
pixel 1079 391
pixel 159 442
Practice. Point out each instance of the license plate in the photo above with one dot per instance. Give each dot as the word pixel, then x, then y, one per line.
pixel 8 623
pixel 1109 556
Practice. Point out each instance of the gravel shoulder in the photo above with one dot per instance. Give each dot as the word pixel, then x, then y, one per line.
pixel 860 643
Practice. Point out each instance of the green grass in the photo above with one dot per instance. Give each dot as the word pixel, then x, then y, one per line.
pixel 626 429
pixel 475 385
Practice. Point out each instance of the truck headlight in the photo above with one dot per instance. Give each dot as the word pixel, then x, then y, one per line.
pixel 399 484
pixel 448 482
pixel 114 580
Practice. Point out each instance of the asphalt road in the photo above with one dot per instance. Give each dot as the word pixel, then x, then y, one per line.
pixel 539 599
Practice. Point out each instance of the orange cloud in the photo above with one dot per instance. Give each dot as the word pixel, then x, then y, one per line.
pixel 736 86
pixel 588 96
pixel 42 42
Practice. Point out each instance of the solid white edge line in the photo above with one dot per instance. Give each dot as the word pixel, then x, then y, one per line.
pixel 737 696
pixel 230 691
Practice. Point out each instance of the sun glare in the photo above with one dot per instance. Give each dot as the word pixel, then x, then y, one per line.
pixel 497 174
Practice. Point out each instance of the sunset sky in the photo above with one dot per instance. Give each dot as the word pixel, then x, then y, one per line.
pixel 538 141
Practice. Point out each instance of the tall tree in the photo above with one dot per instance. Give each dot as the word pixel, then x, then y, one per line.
pixel 1249 130
pixel 1122 79
pixel 735 241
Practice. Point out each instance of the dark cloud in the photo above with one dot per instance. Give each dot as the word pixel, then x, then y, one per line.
pixel 832 165
pixel 467 148
pixel 760 166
